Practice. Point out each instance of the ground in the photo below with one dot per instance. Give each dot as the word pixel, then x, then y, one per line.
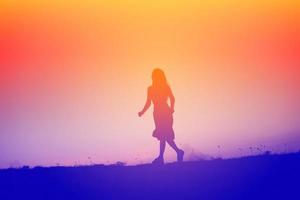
pixel 254 177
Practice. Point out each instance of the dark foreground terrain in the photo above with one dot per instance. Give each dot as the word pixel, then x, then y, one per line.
pixel 257 177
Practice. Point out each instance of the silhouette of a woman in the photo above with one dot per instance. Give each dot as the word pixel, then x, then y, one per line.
pixel 159 93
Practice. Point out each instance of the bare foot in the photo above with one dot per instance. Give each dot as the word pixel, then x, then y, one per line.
pixel 158 161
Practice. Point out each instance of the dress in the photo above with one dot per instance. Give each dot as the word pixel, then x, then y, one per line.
pixel 162 114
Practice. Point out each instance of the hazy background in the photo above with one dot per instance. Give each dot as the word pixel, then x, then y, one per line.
pixel 74 75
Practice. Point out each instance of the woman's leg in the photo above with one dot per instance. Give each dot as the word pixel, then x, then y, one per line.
pixel 160 159
pixel 173 145
pixel 162 146
pixel 180 153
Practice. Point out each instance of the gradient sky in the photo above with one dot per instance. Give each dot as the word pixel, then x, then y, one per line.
pixel 74 75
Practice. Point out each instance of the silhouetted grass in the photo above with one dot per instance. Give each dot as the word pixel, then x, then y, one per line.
pixel 265 176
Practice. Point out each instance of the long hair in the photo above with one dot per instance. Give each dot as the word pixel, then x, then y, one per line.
pixel 159 80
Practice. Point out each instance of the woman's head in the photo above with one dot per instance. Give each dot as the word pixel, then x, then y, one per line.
pixel 159 78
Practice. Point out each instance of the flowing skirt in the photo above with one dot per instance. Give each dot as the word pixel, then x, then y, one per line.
pixel 163 120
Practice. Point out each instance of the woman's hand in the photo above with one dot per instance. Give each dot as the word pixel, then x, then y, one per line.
pixel 172 110
pixel 140 113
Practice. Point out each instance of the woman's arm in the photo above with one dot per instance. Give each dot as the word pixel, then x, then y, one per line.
pixel 172 100
pixel 147 104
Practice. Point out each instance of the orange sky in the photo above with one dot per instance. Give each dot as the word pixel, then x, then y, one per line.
pixel 74 75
